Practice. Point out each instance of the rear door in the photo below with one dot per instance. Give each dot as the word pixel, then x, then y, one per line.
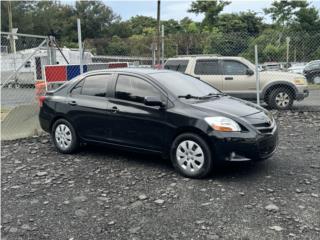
pixel 134 123
pixel 209 70
pixel 88 107
pixel 236 81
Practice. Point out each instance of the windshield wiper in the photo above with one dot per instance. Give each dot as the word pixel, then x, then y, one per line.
pixel 189 96
pixel 214 95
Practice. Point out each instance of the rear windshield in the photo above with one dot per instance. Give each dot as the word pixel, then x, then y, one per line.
pixel 176 65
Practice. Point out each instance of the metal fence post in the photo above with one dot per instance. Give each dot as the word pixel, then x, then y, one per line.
pixel 80 45
pixel 162 45
pixel 257 74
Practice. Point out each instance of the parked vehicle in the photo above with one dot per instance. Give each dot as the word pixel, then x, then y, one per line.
pixel 158 111
pixel 312 71
pixel 297 68
pixel 236 77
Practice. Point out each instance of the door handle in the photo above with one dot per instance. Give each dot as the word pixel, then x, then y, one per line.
pixel 114 109
pixel 72 103
pixel 228 78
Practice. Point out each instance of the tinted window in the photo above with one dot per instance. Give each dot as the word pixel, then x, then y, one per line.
pixel 176 65
pixel 96 85
pixel 207 67
pixel 180 84
pixel 134 89
pixel 234 68
pixel 77 89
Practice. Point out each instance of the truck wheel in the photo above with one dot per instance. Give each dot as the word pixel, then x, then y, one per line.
pixel 281 98
pixel 315 79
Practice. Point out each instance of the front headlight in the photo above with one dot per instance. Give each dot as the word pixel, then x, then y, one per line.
pixel 223 124
pixel 300 81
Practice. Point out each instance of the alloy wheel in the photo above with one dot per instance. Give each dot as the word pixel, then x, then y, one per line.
pixel 282 99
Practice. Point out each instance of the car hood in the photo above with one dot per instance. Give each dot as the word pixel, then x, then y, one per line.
pixel 229 106
pixel 278 74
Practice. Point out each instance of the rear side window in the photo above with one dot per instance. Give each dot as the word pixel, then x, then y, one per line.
pixel 96 85
pixel 207 67
pixel 134 89
pixel 231 67
pixel 177 65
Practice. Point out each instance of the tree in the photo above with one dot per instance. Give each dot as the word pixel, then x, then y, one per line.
pixel 282 12
pixel 139 23
pixel 210 9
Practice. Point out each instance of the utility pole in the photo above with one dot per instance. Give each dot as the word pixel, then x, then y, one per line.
pixel 80 45
pixel 162 45
pixel 12 41
pixel 158 33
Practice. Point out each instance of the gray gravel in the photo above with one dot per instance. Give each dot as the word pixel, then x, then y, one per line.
pixel 101 193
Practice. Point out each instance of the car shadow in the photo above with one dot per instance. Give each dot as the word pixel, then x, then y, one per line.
pixel 225 172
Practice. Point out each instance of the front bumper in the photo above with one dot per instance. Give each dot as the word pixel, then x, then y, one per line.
pixel 245 146
pixel 302 93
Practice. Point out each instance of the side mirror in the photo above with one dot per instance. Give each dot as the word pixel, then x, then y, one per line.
pixel 153 101
pixel 249 72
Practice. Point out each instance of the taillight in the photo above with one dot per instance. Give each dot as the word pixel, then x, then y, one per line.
pixel 41 100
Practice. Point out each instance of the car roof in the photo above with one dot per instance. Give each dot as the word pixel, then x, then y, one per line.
pixel 143 71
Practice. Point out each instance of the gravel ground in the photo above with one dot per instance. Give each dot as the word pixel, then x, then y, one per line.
pixel 102 193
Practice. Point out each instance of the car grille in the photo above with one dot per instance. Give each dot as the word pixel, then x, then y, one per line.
pixel 266 127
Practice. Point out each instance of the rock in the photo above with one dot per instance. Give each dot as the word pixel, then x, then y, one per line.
pixel 159 201
pixel 26 227
pixel 136 204
pixel 111 223
pixel 80 213
pixel 6 218
pixel 13 230
pixel 66 202
pixel 200 221
pixel 298 190
pixel 270 190
pixel 212 237
pixel 241 193
pixel 272 208
pixel 40 174
pixel 314 195
pixel 134 230
pixel 142 197
pixel 276 228
pixel 80 198
pixel 205 204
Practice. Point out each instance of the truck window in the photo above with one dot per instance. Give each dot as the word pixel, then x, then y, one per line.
pixel 207 67
pixel 231 67
pixel 176 65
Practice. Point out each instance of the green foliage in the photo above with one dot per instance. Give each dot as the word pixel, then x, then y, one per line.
pixel 211 9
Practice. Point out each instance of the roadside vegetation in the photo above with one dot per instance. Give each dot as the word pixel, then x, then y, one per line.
pixel 105 33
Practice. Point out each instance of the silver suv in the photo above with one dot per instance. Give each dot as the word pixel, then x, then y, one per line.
pixel 236 77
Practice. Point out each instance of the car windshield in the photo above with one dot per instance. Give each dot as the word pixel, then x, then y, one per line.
pixel 185 86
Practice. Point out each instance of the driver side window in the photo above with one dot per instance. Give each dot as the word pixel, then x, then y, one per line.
pixel 231 67
pixel 134 89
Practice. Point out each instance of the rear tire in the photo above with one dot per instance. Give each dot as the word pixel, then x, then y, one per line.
pixel 281 98
pixel 191 156
pixel 315 79
pixel 64 136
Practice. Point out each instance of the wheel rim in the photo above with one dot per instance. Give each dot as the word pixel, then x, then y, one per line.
pixel 282 99
pixel 63 136
pixel 190 156
pixel 316 80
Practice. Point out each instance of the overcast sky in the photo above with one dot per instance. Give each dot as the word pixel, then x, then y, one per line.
pixel 177 9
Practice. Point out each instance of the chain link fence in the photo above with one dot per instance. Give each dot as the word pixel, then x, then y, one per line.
pixel 287 67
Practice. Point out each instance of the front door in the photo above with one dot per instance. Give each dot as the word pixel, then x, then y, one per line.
pixel 88 105
pixel 134 123
pixel 237 82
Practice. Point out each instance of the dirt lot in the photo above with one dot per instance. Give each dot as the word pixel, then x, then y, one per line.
pixel 101 193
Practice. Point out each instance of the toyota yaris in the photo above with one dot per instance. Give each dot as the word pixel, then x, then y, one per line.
pixel 159 111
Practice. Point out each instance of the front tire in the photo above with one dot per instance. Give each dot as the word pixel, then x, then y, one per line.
pixel 64 136
pixel 281 98
pixel 191 156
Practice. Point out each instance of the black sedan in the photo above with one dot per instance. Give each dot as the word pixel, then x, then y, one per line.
pixel 158 111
